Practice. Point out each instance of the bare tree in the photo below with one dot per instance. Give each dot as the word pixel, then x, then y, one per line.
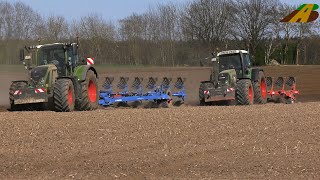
pixel 290 30
pixel 7 20
pixel 251 20
pixel 168 18
pixel 95 33
pixel 25 21
pixel 131 30
pixel 275 32
pixel 57 27
pixel 207 20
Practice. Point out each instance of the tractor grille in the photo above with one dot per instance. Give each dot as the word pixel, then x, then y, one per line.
pixel 38 73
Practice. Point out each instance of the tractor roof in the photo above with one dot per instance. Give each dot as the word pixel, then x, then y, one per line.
pixel 232 52
pixel 47 45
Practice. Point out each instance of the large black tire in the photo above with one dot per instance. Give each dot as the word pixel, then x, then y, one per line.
pixel 260 89
pixel 64 96
pixel 244 92
pixel 89 93
pixel 15 86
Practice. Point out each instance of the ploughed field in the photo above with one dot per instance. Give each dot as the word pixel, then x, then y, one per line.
pixel 269 141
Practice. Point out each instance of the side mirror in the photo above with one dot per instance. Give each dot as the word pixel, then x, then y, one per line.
pixel 21 54
pixel 213 55
pixel 74 49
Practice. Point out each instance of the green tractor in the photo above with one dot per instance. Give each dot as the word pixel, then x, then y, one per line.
pixel 233 81
pixel 58 81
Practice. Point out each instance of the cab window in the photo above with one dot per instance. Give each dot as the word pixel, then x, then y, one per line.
pixel 246 60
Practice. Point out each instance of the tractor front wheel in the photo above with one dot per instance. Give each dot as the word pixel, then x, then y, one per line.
pixel 260 89
pixel 244 92
pixel 63 95
pixel 89 93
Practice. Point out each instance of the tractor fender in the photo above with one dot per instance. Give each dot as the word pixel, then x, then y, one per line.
pixel 81 72
pixel 255 74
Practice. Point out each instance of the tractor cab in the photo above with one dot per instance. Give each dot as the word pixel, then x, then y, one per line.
pixel 239 60
pixel 62 55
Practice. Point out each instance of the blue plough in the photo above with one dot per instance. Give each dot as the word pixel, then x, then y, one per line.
pixel 162 94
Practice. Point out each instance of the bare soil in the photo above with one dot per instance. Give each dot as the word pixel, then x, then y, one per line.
pixel 273 141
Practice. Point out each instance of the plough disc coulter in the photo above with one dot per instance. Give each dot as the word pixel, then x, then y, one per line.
pixel 282 89
pixel 162 93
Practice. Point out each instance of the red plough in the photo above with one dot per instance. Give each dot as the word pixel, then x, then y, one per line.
pixel 282 90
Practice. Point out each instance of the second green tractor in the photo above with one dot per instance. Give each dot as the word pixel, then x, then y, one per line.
pixel 233 81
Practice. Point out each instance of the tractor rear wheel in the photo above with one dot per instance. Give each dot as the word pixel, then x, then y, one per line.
pixel 89 93
pixel 260 89
pixel 14 87
pixel 63 96
pixel 244 92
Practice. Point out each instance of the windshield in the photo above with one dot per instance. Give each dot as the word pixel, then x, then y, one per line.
pixel 51 55
pixel 246 60
pixel 229 61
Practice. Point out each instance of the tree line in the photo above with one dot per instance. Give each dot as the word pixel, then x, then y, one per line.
pixel 168 34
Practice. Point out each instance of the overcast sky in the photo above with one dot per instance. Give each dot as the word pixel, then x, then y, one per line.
pixel 109 9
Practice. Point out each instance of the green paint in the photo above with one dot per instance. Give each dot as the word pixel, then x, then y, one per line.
pixel 315 7
pixel 232 76
pixel 79 71
pixel 301 7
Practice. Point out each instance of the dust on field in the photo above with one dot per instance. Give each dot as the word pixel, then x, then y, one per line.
pixel 9 73
pixel 272 141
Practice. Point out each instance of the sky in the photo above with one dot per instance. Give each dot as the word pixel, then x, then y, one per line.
pixel 298 2
pixel 112 10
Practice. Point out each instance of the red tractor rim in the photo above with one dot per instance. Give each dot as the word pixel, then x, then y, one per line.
pixel 250 94
pixel 92 91
pixel 263 89
pixel 70 97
